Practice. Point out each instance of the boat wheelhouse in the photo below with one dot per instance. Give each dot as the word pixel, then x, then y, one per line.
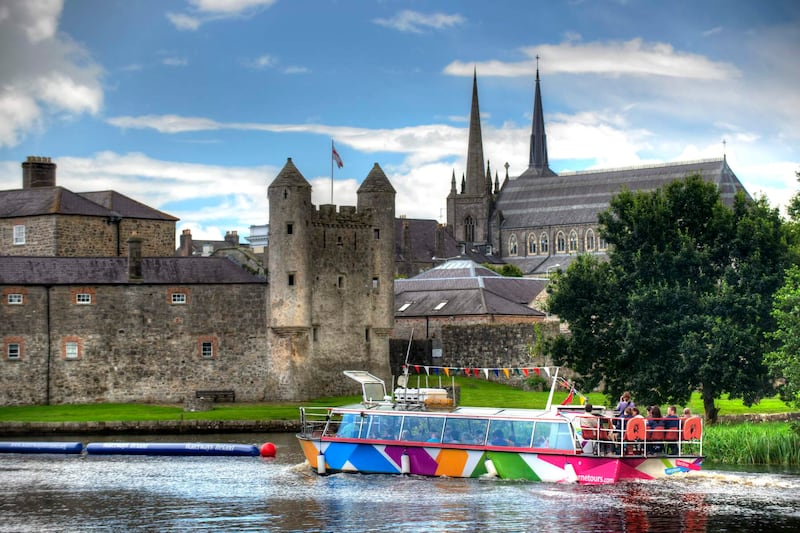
pixel 416 432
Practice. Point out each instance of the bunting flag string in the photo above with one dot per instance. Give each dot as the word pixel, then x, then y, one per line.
pixel 468 371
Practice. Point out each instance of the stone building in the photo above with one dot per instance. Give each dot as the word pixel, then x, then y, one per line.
pixel 331 284
pixel 137 328
pixel 539 220
pixel 43 219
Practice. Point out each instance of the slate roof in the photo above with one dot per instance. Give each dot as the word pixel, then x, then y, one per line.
pixel 124 206
pixel 577 198
pixel 114 270
pixel 290 176
pixel 57 200
pixel 376 181
pixel 468 289
pixel 422 240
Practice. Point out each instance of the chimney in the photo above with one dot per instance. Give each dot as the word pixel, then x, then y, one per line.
pixel 135 259
pixel 232 238
pixel 38 172
pixel 186 243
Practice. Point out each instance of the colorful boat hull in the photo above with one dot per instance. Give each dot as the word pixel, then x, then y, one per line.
pixel 375 458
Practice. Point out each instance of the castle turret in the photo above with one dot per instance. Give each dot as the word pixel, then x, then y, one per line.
pixel 290 212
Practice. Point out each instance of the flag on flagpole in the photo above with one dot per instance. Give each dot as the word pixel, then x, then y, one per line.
pixel 335 156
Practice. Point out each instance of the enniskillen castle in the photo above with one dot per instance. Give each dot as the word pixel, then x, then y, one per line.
pixel 97 307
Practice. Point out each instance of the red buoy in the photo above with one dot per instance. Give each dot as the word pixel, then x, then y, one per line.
pixel 268 450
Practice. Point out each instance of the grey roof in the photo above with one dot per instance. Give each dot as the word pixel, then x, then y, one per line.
pixel 289 176
pixel 577 198
pixel 468 289
pixel 114 270
pixel 415 240
pixel 38 201
pixel 124 206
pixel 376 181
pixel 47 201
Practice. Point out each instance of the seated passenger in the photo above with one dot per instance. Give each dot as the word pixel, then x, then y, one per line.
pixel 498 439
pixel 672 428
pixel 655 430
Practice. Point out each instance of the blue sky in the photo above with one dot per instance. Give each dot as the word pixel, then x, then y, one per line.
pixel 193 106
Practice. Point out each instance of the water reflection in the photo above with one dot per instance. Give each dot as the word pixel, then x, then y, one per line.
pixel 137 493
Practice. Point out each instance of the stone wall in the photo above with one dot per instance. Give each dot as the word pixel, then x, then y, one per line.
pixel 39 233
pixel 431 327
pixel 491 346
pixel 135 346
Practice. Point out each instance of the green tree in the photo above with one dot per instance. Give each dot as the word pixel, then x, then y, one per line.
pixel 683 301
pixel 784 361
pixel 508 270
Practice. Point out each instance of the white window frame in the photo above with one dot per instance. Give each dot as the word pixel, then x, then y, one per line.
pixel 19 234
pixel 14 350
pixel 15 298
pixel 83 298
pixel 71 350
pixel 207 350
pixel 178 298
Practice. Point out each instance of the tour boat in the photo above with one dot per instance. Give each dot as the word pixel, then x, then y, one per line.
pixel 418 431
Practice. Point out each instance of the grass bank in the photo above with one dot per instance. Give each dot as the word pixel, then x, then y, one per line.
pixel 769 443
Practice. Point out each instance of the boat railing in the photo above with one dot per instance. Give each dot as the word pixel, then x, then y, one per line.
pixel 641 437
pixel 314 421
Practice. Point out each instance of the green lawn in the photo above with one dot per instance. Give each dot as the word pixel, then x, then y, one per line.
pixel 474 391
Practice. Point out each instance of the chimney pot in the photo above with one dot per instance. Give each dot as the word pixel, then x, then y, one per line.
pixel 38 171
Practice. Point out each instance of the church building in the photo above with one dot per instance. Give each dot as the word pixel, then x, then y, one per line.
pixel 540 220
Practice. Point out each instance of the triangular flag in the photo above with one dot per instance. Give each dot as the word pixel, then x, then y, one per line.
pixel 416 367
pixel 537 371
pixel 466 372
pixel 568 399
pixel 525 372
pixel 497 372
pixel 446 371
pixel 476 372
pixel 547 371
pixel 505 371
pixel 436 371
pixel 428 370
pixel 486 372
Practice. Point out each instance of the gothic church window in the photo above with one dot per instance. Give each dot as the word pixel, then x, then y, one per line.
pixel 532 244
pixel 589 240
pixel 561 242
pixel 573 241
pixel 512 245
pixel 469 229
pixel 544 244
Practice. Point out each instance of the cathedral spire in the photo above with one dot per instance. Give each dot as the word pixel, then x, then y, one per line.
pixel 538 156
pixel 476 179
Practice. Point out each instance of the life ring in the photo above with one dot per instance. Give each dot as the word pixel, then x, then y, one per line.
pixel 692 429
pixel 634 429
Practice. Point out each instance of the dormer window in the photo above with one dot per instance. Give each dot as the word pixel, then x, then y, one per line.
pixel 404 307
pixel 440 305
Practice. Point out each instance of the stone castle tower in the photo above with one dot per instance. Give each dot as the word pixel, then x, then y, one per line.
pixel 331 293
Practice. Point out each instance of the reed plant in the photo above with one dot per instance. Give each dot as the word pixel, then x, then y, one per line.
pixel 767 443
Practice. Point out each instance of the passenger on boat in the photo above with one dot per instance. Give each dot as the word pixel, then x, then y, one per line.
pixel 655 430
pixel 434 437
pixel 687 413
pixel 672 428
pixel 498 439
pixel 589 428
pixel 625 402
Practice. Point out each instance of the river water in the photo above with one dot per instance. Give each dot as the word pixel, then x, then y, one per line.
pixel 137 493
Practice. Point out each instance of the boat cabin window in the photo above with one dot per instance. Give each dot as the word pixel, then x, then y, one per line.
pixel 510 433
pixel 382 427
pixel 423 428
pixel 465 431
pixel 349 425
pixel 553 435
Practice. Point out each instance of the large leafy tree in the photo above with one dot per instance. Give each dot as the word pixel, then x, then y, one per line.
pixel 784 361
pixel 683 302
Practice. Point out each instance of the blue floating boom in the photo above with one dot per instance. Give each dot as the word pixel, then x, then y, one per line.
pixel 41 447
pixel 171 448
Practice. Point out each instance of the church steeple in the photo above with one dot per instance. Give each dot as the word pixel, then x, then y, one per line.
pixel 538 155
pixel 476 179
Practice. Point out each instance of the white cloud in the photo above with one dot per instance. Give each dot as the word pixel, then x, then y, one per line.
pixel 416 22
pixel 634 57
pixel 46 76
pixel 201 11
pixel 175 61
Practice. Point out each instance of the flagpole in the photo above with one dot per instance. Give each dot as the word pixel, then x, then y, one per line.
pixel 332 148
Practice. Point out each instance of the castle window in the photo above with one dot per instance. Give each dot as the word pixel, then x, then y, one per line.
pixel 83 298
pixel 544 244
pixel 512 245
pixel 14 299
pixel 376 233
pixel 289 228
pixel 315 333
pixel 469 229
pixel 589 240
pixel 340 282
pixel 375 283
pixel 602 244
pixel 561 243
pixel 532 244
pixel 207 347
pixel 291 280
pixel 339 241
pixel 19 234
pixel 71 348
pixel 366 334
pixel 573 241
